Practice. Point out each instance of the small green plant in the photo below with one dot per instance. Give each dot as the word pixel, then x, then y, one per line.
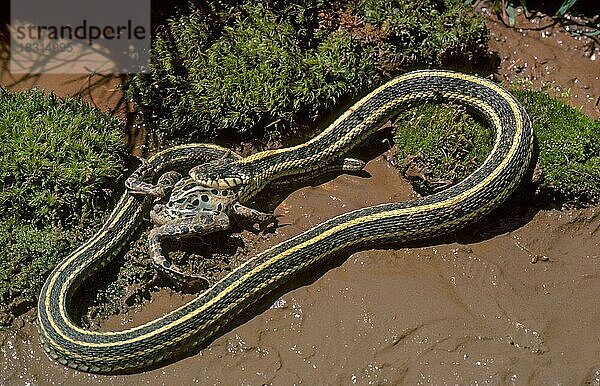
pixel 57 157
pixel 508 10
pixel 440 146
pixel 262 68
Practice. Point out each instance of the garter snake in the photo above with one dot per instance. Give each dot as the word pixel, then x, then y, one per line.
pixel 195 322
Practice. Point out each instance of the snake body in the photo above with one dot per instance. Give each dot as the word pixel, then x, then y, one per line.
pixel 195 322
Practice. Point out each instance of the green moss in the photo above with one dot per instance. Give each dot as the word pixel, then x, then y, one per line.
pixel 267 67
pixel 424 31
pixel 28 255
pixel 439 145
pixel 56 158
pixel 55 155
pixel 444 146
pixel 569 144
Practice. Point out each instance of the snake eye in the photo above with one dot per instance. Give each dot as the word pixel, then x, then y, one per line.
pixel 224 193
pixel 196 202
pixel 215 192
pixel 204 198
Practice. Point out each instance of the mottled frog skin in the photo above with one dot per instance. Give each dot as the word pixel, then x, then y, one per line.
pixel 194 210
pixel 189 199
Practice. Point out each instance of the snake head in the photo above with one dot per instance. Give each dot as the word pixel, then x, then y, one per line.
pixel 220 174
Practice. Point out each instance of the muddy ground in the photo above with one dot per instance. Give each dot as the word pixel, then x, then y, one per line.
pixel 511 300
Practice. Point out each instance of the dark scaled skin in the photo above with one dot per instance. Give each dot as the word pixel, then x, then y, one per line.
pixel 220 174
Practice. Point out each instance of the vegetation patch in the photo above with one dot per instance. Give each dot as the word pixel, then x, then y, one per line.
pixel 259 69
pixel 57 158
pixel 439 146
pixel 569 144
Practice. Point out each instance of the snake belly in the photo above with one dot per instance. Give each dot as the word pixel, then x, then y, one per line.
pixel 194 323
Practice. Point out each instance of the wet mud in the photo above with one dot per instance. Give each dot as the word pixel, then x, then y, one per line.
pixel 511 300
pixel 479 311
pixel 102 91
pixel 541 54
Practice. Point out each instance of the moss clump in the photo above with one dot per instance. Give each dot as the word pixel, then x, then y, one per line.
pixel 56 157
pixel 269 67
pixel 444 146
pixel 440 145
pixel 569 144
pixel 423 31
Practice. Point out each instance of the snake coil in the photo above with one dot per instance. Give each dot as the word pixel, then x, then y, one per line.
pixel 195 322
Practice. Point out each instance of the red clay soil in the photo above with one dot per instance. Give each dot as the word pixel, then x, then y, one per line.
pixel 512 300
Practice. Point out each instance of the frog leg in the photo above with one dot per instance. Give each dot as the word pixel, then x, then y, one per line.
pixel 166 182
pixel 136 185
pixel 244 214
pixel 138 174
pixel 204 223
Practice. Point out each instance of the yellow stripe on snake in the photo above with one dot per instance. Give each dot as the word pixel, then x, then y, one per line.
pixel 197 321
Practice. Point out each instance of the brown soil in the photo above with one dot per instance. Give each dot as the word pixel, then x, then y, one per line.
pixel 512 300
pixel 540 54
pixel 102 91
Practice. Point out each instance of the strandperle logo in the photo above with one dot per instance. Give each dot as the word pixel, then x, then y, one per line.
pixel 64 36
pixel 85 31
